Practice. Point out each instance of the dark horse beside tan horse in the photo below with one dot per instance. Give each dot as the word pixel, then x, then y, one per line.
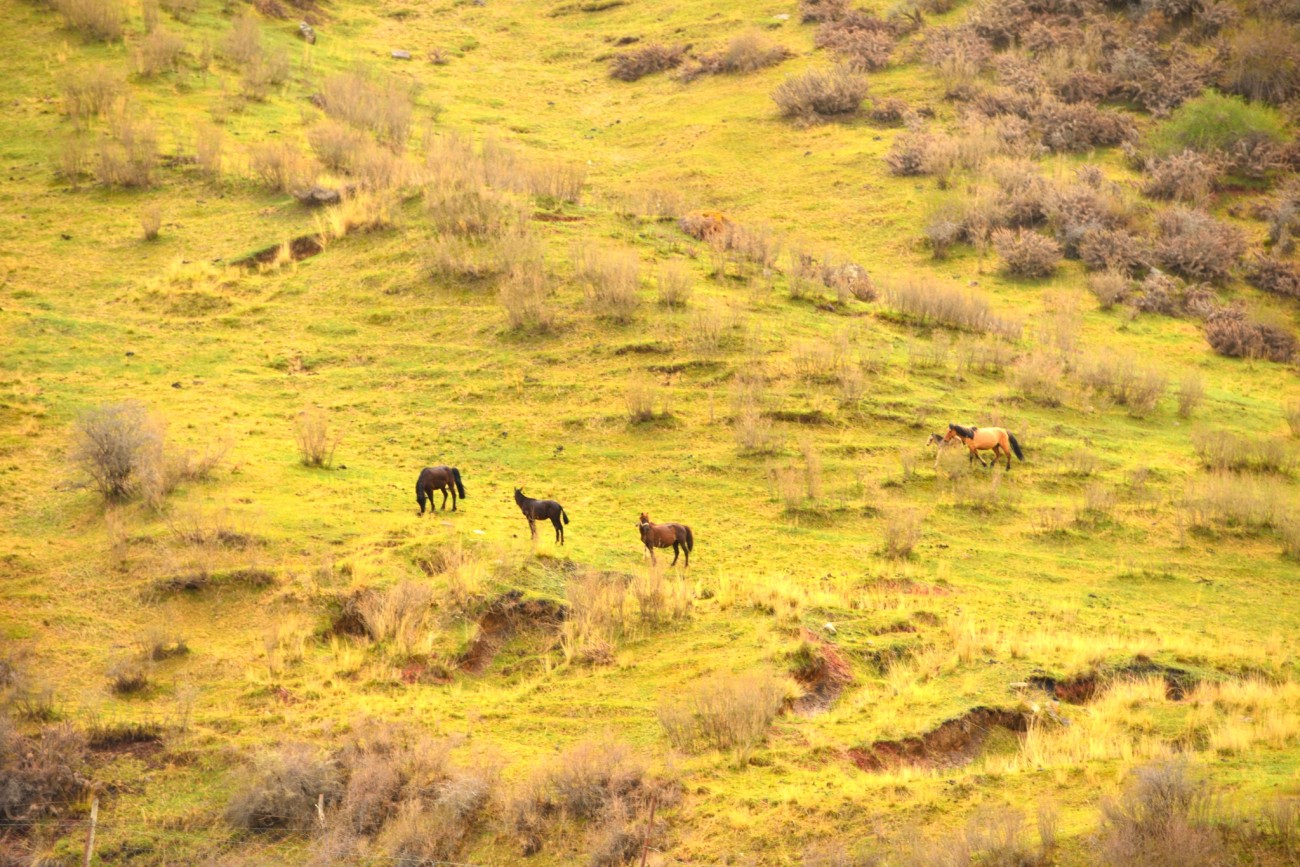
pixel 543 510
pixel 998 440
pixel 438 479
pixel 675 536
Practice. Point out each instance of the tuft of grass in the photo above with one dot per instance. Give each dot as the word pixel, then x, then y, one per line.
pixel 315 438
pixel 724 713
pixel 1215 122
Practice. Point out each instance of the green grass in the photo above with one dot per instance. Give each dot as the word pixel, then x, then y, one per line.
pixel 415 372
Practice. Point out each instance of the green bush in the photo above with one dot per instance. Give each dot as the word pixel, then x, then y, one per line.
pixel 1214 122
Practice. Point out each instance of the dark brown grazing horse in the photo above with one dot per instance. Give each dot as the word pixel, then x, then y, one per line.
pixel 438 479
pixel 545 510
pixel 673 536
pixel 998 440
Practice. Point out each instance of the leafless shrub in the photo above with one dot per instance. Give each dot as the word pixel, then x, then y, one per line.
pixel 909 154
pixel 951 308
pixel 1164 817
pixel 97 20
pixel 506 169
pixel 817 11
pixel 1110 287
pixel 818 95
pixel 115 444
pixel 243 43
pixel 747 52
pixel 674 281
pixel 610 279
pixel 1080 126
pixel 208 146
pixel 942 231
pixel 281 166
pixel 858 39
pixel 1027 253
pixel 1274 275
pixel 128 155
pixel 150 221
pixel 381 104
pixel 1113 250
pixel 129 675
pixel 888 111
pixel 597 617
pixel 1195 245
pixel 266 70
pixel 1037 376
pixel 316 441
pixel 902 532
pixel 282 788
pixel 1191 392
pixel 1231 332
pixel 336 145
pixel 1124 380
pixel 1264 62
pixel 90 92
pixel 1226 499
pixel 399 615
pixel 723 713
pixel 160 51
pixel 1291 412
pixel 524 293
pixel 43 773
pixel 1190 176
pixel 1224 450
pixel 646 60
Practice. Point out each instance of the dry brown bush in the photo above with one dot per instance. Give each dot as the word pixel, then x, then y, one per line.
pixel 400 615
pixel 90 92
pixel 1122 379
pixel 1027 253
pixel 1037 376
pixel 1163 818
pixel 524 293
pixel 1225 450
pixel 1274 275
pixel 1191 392
pixel 116 445
pixel 646 60
pixel 128 154
pixel 724 713
pixel 610 280
pixel 747 52
pixel 336 145
pixel 952 308
pixel 98 20
pixel 242 44
pixel 507 169
pixel 150 221
pixel 181 10
pixel 1113 250
pixel 160 51
pixel 674 281
pixel 1080 126
pixel 818 95
pixel 208 145
pixel 314 437
pixel 44 773
pixel 282 788
pixel 908 156
pixel 281 166
pixel 1196 245
pixel 862 41
pixel 817 11
pixel 902 532
pixel 1264 62
pixel 1110 287
pixel 1190 176
pixel 379 103
pixel 266 70
pixel 1232 333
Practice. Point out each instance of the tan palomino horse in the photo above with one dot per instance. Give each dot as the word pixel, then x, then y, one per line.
pixel 977 439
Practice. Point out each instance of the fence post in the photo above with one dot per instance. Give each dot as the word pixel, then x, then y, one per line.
pixel 90 834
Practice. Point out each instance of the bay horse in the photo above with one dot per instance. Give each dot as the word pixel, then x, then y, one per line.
pixel 438 479
pixel 545 510
pixel 977 439
pixel 675 536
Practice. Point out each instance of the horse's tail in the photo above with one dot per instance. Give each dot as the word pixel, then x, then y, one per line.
pixel 564 515
pixel 1015 446
pixel 460 488
pixel 690 539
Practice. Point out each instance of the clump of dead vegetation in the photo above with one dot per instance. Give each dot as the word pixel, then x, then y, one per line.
pixel 821 95
pixel 646 60
pixel 726 713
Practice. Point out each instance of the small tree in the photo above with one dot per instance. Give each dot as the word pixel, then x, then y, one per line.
pixel 116 444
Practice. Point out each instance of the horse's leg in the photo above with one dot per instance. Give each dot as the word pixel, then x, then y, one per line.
pixel 532 527
pixel 453 496
pixel 674 563
pixel 653 560
pixel 559 529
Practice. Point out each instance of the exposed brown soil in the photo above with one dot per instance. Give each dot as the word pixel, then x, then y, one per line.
pixel 425 670
pixel 302 247
pixel 1083 689
pixel 823 679
pixel 125 739
pixel 506 615
pixel 953 743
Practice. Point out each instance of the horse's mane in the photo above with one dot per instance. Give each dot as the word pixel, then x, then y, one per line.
pixel 963 432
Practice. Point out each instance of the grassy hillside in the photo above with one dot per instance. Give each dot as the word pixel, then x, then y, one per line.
pixel 893 646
